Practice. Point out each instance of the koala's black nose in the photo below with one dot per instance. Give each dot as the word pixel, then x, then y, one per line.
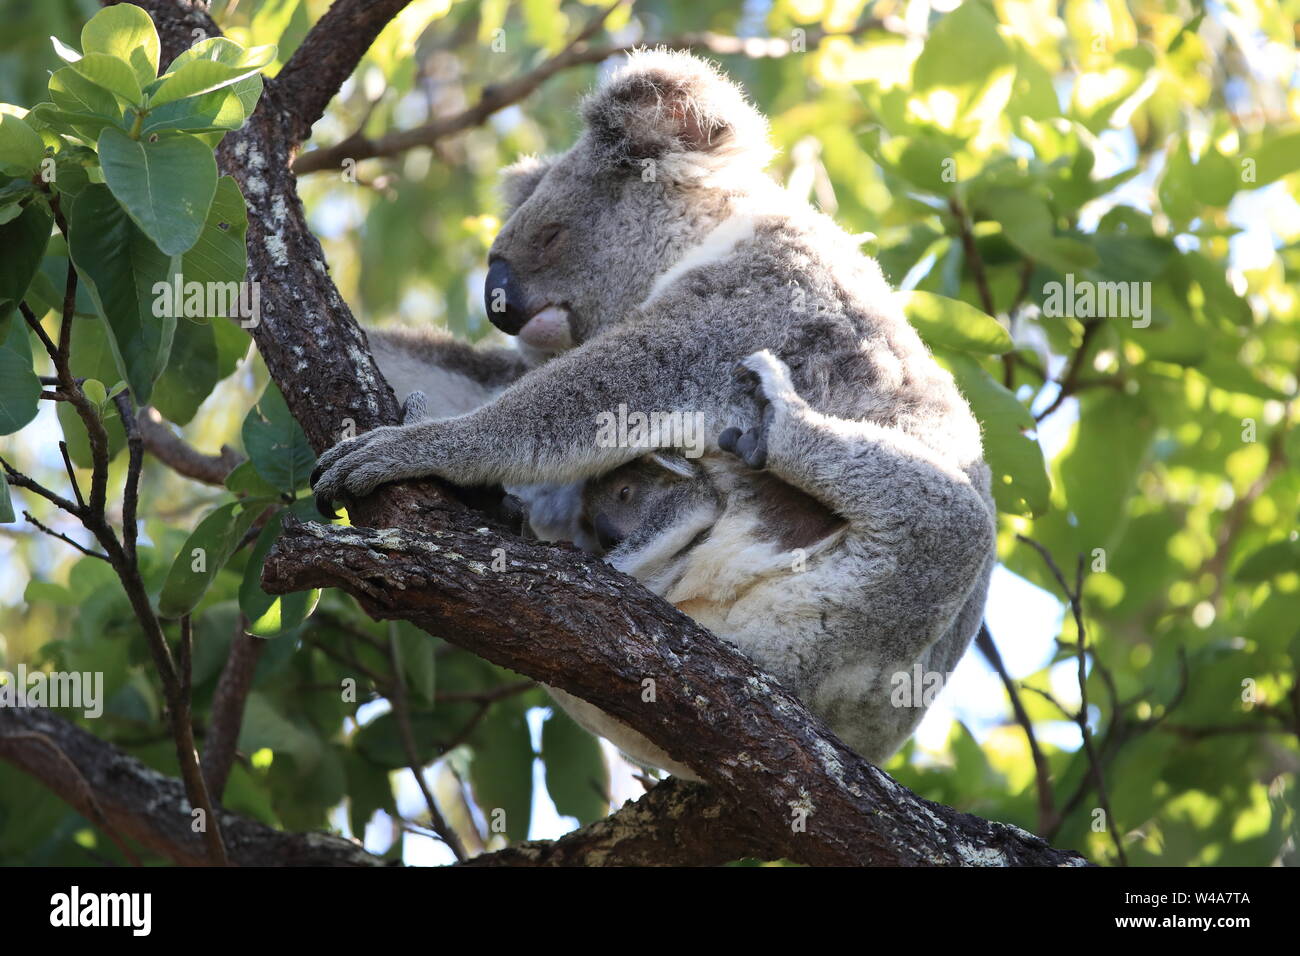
pixel 607 534
pixel 502 298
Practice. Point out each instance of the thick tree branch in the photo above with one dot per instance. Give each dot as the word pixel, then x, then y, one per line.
pixel 329 54
pixel 134 802
pixel 181 457
pixel 564 619
pixel 675 824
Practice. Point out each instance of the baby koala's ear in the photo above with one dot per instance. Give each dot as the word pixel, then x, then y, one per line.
pixel 520 178
pixel 673 463
pixel 663 104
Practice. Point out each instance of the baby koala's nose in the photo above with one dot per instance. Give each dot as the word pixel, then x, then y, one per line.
pixel 503 299
pixel 607 533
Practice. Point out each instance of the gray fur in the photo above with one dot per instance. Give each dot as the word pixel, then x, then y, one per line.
pixel 676 257
pixel 436 376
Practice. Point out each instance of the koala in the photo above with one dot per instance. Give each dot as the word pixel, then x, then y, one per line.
pixel 785 563
pixel 647 261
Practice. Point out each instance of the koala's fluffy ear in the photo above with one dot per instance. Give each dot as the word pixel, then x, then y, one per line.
pixel 520 178
pixel 663 104
pixel 673 464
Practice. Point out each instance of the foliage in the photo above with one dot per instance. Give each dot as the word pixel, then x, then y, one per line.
pixel 1089 205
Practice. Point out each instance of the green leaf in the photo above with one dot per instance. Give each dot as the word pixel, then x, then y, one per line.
pixel 82 125
pixel 23 240
pixel 1280 557
pixel 966 69
pixel 416 654
pixel 1277 156
pixel 111 73
pixel 95 390
pixel 1020 482
pixel 21 148
pixel 216 263
pixel 272 615
pixel 502 771
pixel 265 726
pixel 191 373
pixel 1100 468
pixel 220 255
pixel 20 389
pixel 369 789
pixel 217 111
pixel 244 480
pixel 1028 224
pixel 166 183
pixel 954 324
pixel 222 50
pixel 123 269
pixel 73 93
pixel 200 76
pixel 126 32
pixel 577 777
pixel 204 554
pixel 7 515
pixel 276 444
pixel 380 740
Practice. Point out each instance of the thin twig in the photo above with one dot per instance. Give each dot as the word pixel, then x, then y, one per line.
pixel 63 537
pixel 402 715
pixel 72 474
pixel 1042 773
pixel 1081 717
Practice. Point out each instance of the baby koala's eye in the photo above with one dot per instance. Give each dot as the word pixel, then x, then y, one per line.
pixel 625 493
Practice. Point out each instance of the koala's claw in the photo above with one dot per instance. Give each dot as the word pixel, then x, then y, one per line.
pixel 326 508
pixel 766 379
pixel 749 446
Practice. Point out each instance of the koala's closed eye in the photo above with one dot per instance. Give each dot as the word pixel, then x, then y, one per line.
pixel 549 235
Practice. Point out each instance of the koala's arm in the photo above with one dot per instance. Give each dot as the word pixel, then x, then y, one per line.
pixel 545 427
pixel 454 376
pixel 920 530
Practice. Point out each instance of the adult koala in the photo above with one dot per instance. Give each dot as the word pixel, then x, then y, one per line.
pixel 659 249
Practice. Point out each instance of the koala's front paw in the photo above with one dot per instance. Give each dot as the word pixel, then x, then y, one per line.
pixel 356 467
pixel 766 378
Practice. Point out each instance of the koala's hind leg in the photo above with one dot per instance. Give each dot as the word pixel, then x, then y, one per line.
pixel 920 531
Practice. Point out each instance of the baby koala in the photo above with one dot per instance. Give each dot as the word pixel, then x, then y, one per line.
pixel 785 548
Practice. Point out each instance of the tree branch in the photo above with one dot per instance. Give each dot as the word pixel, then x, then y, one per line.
pixel 181 457
pixel 676 824
pixel 125 797
pixel 554 615
pixel 329 54
pixel 496 97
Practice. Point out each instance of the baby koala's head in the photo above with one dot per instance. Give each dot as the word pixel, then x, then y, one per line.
pixel 647 515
